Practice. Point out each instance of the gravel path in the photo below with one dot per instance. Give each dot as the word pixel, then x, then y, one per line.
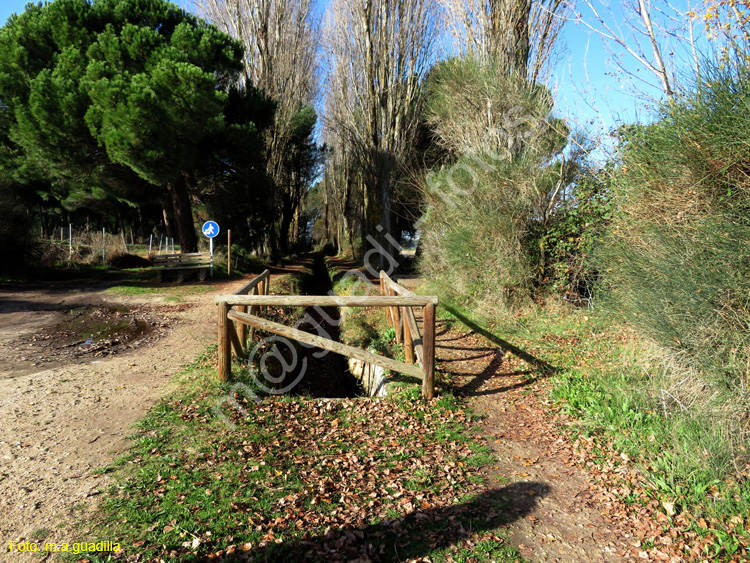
pixel 64 417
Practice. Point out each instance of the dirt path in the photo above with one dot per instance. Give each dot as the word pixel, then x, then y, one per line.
pixel 577 519
pixel 67 408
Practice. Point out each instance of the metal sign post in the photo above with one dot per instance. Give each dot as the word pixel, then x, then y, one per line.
pixel 211 229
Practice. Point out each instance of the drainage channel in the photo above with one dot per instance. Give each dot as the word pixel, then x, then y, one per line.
pixel 326 374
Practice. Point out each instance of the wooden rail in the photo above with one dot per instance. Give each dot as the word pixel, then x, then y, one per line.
pixel 397 300
pixel 237 337
pixel 393 302
pixel 404 321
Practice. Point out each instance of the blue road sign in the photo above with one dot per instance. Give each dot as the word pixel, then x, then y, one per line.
pixel 210 229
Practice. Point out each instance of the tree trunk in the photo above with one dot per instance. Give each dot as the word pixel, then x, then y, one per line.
pixel 385 203
pixel 141 232
pixel 183 214
pixel 167 222
pixel 287 215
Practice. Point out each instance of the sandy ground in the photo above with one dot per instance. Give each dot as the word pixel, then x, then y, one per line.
pixel 64 417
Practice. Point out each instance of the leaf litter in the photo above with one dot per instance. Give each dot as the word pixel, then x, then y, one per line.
pixel 335 480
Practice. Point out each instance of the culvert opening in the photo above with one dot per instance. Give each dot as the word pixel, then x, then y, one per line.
pixel 326 373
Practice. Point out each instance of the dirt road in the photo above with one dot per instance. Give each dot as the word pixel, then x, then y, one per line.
pixel 79 364
pixel 576 518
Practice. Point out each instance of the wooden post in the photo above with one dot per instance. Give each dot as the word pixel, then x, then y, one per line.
pixel 254 311
pixel 408 342
pixel 262 290
pixel 383 292
pixel 239 350
pixel 397 321
pixel 391 310
pixel 242 327
pixel 224 370
pixel 428 343
pixel 229 252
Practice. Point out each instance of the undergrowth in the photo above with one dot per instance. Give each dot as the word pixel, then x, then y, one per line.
pixel 693 473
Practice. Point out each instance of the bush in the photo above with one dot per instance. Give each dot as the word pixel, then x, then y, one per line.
pixel 574 236
pixel 677 258
pixel 491 202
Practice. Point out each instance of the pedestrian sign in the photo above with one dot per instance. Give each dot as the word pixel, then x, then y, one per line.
pixel 210 229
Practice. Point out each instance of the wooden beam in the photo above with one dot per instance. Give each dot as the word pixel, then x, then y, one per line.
pixel 327 300
pixel 234 338
pixel 416 337
pixel 224 369
pixel 384 293
pixel 327 344
pixel 428 383
pixel 408 343
pixel 242 328
pixel 253 311
pixel 253 282
pixel 396 319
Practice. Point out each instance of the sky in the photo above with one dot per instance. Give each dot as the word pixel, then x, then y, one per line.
pixel 590 90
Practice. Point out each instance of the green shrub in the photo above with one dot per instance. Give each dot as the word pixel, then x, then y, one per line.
pixel 493 199
pixel 677 257
pixel 574 236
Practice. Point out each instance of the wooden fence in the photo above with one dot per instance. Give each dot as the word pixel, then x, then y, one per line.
pixel 399 303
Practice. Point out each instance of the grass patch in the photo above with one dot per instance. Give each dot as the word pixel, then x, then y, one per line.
pixel 691 469
pixel 302 479
pixel 136 287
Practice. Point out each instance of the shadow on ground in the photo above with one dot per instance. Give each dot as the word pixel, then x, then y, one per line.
pixel 410 537
pixel 544 368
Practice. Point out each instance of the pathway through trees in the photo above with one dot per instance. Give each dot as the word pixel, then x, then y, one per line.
pixel 578 519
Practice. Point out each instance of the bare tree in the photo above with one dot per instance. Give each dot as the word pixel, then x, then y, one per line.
pixel 517 35
pixel 377 55
pixel 659 35
pixel 280 59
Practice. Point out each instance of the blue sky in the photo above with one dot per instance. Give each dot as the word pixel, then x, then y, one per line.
pixel 589 93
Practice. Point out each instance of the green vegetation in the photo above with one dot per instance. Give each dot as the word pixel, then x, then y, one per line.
pixel 170 292
pixel 620 410
pixel 105 100
pixel 676 261
pixel 491 202
pixel 653 243
pixel 138 117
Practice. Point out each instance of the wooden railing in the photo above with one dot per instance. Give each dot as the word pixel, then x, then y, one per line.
pixel 397 300
pixel 236 337
pixel 404 321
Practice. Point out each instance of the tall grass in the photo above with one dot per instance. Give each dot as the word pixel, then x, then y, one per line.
pixel 677 260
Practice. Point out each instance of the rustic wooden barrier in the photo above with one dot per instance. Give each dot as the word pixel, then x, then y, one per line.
pixel 404 321
pixel 255 296
pixel 236 337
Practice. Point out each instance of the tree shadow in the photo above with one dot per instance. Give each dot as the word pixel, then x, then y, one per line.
pixel 545 368
pixel 410 537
